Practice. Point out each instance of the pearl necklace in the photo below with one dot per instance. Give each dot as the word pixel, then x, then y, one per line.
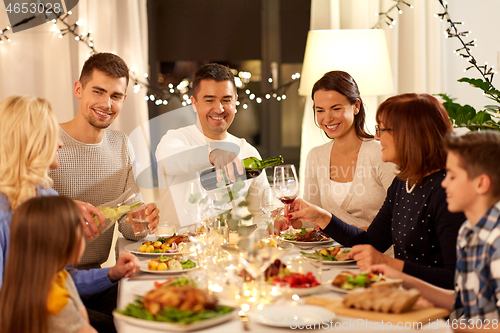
pixel 411 189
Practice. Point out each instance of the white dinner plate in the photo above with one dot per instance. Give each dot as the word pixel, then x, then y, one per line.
pixel 143 288
pixel 169 327
pixel 304 291
pixel 332 262
pixel 345 262
pixel 134 248
pixel 330 286
pixel 286 316
pixel 144 268
pixel 329 242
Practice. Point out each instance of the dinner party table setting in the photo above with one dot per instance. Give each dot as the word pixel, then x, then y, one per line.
pixel 222 272
pixel 238 271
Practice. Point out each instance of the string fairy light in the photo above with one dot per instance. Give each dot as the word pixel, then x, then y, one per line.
pixel 385 16
pixel 464 51
pixel 153 93
pixel 4 36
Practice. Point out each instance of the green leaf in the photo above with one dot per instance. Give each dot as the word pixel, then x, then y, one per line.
pixel 494 108
pixel 446 98
pixel 235 195
pixel 238 185
pixel 226 198
pixel 478 83
pixel 193 198
pixel 481 117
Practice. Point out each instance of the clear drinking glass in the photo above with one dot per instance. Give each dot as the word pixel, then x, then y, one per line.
pixel 137 219
pixel 165 229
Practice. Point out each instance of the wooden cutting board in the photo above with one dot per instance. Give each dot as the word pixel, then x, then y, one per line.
pixel 416 314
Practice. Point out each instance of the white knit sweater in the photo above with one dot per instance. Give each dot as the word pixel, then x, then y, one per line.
pixel 369 186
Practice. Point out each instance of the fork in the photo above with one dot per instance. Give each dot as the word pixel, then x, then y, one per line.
pixel 244 320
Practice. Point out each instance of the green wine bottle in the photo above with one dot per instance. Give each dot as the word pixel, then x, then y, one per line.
pixel 252 167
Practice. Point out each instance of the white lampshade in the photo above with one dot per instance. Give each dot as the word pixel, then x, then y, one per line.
pixel 361 53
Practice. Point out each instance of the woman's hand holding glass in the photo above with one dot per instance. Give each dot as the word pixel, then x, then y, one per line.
pixel 286 185
pixel 301 210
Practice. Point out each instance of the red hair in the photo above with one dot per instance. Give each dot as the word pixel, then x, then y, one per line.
pixel 419 124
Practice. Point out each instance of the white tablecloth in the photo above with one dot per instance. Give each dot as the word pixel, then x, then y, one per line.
pixel 344 324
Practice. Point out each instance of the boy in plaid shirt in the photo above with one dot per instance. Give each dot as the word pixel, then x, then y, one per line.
pixel 472 186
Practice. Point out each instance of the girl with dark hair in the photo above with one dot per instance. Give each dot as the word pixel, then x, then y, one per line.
pixel 414 217
pixel 345 176
pixel 38 295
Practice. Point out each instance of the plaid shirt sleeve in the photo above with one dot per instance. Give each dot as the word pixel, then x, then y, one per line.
pixel 477 277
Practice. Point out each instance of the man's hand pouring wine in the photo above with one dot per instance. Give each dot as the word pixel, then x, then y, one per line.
pixel 225 163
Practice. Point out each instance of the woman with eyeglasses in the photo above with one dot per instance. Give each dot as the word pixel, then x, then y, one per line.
pixel 414 217
pixel 345 176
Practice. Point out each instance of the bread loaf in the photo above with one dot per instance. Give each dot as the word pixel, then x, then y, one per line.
pixel 385 299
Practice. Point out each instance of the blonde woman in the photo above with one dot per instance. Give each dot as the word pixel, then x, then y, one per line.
pixel 28 148
pixel 46 235
pixel 28 145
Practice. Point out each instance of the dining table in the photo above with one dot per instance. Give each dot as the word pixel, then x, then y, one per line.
pixel 127 293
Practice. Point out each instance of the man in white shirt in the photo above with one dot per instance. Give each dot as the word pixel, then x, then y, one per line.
pixel 184 152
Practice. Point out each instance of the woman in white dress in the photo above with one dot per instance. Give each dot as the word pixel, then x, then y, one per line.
pixel 345 176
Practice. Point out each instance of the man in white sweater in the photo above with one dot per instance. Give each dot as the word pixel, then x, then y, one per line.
pixel 184 152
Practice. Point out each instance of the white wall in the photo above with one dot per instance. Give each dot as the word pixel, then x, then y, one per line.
pixel 480 17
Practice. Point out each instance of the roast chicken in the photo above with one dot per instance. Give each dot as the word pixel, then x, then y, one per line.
pixel 177 240
pixel 181 297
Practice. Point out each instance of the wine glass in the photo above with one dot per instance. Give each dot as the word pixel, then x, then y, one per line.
pixel 255 254
pixel 270 204
pixel 196 201
pixel 286 183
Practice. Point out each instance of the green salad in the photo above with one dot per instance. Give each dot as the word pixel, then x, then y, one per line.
pixel 186 264
pixel 293 237
pixel 173 315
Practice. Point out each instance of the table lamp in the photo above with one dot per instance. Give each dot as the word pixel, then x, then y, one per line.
pixel 361 53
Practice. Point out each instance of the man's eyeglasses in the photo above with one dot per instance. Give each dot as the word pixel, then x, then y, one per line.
pixel 379 130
